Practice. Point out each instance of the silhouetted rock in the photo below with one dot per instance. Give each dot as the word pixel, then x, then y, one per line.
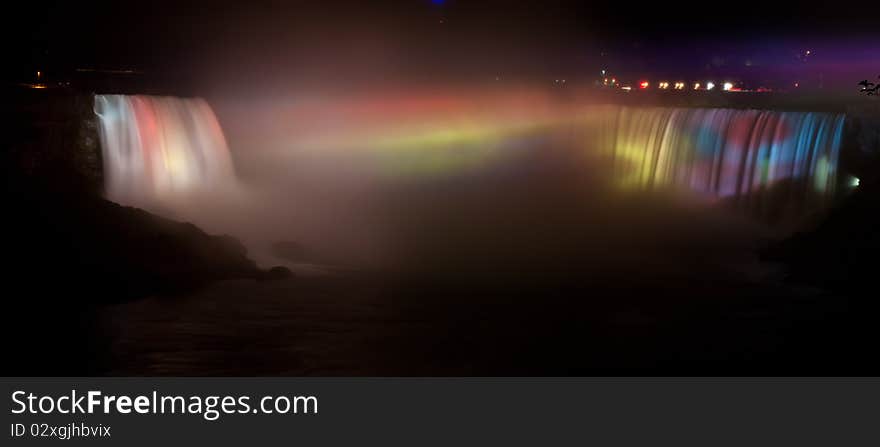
pixel 277 272
pixel 50 135
pixel 841 252
pixel 116 252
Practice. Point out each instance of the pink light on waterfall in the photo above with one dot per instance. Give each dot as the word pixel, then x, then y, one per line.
pixel 155 147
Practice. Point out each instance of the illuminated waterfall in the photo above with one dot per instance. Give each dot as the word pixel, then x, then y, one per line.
pixel 157 147
pixel 719 152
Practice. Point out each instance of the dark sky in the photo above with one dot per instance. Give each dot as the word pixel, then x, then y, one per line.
pixel 269 39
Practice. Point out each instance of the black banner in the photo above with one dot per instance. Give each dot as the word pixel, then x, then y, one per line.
pixel 450 411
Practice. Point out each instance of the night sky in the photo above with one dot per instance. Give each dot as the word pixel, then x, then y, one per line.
pixel 268 40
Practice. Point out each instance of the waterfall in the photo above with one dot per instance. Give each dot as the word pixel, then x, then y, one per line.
pixel 726 152
pixel 776 162
pixel 157 147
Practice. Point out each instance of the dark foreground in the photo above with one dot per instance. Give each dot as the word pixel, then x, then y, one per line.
pixel 644 287
pixel 318 327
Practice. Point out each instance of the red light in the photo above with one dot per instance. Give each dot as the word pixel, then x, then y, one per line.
pixel 643 84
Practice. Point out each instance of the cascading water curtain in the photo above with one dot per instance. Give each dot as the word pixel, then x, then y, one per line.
pixel 742 155
pixel 155 147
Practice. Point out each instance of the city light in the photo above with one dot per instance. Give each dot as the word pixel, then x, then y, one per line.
pixel 663 85
pixel 644 84
pixel 710 85
pixel 679 85
pixel 696 85
pixel 727 86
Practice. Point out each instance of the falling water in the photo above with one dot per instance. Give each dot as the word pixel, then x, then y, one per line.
pixel 156 147
pixel 725 154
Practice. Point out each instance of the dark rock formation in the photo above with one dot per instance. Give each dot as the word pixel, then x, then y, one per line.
pixel 50 135
pixel 278 272
pixel 841 252
pixel 114 253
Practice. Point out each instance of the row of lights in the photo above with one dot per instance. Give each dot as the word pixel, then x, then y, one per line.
pixel 663 85
pixel 680 85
